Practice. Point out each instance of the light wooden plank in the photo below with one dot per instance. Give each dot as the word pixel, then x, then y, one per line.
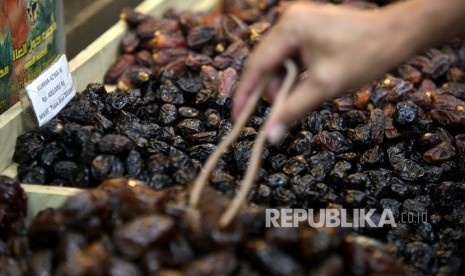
pixel 41 197
pixel 11 126
pixel 205 5
pixel 11 171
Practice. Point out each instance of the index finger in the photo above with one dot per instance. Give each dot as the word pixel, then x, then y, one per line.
pixel 265 59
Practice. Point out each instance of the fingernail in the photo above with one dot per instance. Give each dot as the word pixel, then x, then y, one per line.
pixel 276 132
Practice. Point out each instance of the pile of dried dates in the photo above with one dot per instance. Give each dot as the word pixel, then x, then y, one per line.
pixel 14 242
pixel 122 228
pixel 396 143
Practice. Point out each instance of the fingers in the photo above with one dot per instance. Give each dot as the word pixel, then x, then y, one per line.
pixel 266 58
pixel 273 88
pixel 306 96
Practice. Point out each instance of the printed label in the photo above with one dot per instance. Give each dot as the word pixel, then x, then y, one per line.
pixel 51 91
pixel 30 40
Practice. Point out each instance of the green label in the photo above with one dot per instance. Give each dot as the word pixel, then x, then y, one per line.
pixel 29 42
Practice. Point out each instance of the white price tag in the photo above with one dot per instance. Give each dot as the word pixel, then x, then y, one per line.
pixel 51 91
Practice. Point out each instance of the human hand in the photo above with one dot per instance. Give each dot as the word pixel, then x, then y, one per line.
pixel 340 47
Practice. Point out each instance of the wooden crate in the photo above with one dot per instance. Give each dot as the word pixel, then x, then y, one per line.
pixel 88 66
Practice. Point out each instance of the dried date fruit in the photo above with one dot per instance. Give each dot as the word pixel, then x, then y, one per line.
pixel 118 68
pixel 166 39
pixel 51 153
pixel 28 147
pixel 41 263
pixel 247 133
pixel 334 123
pixel 438 63
pixel 362 96
pixel 273 261
pixel 204 137
pixel 257 30
pixel 46 229
pixel 13 204
pixel 196 60
pixel 106 166
pixel 277 161
pixel 390 131
pixel 446 102
pixel 168 114
pixel 199 36
pixel 262 193
pixel 210 77
pixel 170 93
pixel 201 152
pixel 406 113
pixel 344 104
pixel 377 122
pixel 134 164
pixel 233 56
pixel 409 170
pixel 234 28
pixel 188 112
pixel 66 170
pixel 164 56
pixel 333 141
pixel 448 118
pixel 277 180
pixel 228 82
pixel 410 73
pixel 295 165
pixel 137 236
pixel 92 260
pixel 361 135
pixel 147 28
pixel 130 42
pixel 144 58
pixel 212 118
pixel 372 157
pixel 132 17
pixel 190 126
pixel 352 118
pixel 442 152
pixel 115 144
pixel 400 88
pixel 302 143
pixel 340 171
pixel 370 257
pixel 221 263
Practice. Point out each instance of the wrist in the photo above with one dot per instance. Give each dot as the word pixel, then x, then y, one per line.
pixel 417 24
pixel 402 37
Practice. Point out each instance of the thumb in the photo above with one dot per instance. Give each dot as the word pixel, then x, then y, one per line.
pixel 307 95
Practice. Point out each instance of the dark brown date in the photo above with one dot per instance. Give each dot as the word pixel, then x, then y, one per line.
pixel 118 68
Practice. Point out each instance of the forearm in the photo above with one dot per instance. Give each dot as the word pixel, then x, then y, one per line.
pixel 424 23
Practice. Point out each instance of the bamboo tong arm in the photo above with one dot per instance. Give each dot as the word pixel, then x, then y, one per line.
pixel 212 160
pixel 255 159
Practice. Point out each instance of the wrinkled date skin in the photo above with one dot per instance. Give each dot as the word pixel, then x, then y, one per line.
pixel 13 204
pixel 14 246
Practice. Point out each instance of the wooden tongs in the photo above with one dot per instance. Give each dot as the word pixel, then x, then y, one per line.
pixel 257 149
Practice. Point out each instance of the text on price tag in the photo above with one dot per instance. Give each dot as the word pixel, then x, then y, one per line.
pixel 51 91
